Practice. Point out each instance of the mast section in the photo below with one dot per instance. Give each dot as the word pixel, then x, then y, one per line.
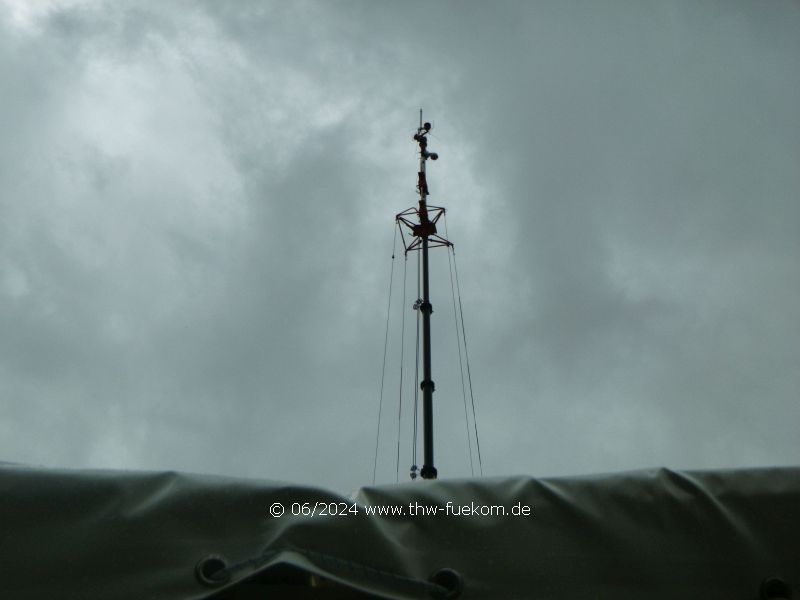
pixel 421 222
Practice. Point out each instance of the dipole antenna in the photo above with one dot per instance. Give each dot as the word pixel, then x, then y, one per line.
pixel 420 223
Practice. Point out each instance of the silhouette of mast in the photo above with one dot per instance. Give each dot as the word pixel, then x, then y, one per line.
pixel 421 222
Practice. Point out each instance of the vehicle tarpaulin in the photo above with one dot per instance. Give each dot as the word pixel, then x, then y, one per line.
pixel 645 535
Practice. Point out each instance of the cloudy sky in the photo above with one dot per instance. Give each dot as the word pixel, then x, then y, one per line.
pixel 197 205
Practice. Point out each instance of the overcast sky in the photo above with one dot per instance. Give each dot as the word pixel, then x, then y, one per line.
pixel 197 205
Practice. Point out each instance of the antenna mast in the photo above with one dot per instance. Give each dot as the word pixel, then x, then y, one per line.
pixel 421 222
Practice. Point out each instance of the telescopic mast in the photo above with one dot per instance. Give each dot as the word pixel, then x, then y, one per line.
pixel 421 222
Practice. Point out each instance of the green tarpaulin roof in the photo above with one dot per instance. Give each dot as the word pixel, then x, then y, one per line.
pixel 645 535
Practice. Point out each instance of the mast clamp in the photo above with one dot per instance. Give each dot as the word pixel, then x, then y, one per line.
pixel 427 383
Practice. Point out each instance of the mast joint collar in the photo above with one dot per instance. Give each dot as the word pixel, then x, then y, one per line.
pixel 429 472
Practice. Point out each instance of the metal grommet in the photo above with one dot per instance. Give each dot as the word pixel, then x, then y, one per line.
pixel 775 588
pixel 210 571
pixel 449 581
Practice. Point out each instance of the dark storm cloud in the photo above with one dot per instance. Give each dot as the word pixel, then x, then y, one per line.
pixel 196 211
